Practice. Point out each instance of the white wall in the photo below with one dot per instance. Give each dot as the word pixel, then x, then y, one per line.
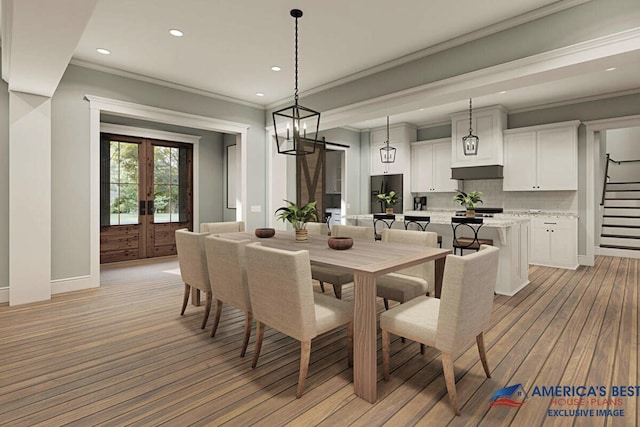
pixel 4 185
pixel 624 144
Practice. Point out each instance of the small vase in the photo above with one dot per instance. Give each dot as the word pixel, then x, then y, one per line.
pixel 302 235
pixel 471 213
pixel 389 211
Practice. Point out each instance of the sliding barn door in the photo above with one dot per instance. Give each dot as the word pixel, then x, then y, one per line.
pixel 310 173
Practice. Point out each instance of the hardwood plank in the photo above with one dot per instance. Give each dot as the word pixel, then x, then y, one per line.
pixel 122 355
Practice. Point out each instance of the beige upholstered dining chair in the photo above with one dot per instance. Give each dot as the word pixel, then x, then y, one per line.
pixel 283 299
pixel 353 231
pixel 450 323
pixel 335 276
pixel 193 267
pixel 410 282
pixel 228 277
pixel 222 227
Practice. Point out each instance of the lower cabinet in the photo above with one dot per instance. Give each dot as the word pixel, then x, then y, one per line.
pixel 554 242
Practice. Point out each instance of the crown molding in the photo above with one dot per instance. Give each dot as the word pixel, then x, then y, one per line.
pixel 429 125
pixel 160 82
pixel 449 44
pixel 575 101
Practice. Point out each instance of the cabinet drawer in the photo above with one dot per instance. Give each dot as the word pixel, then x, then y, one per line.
pixel 552 222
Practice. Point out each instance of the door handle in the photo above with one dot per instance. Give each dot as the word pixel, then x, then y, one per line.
pixel 150 207
pixel 142 208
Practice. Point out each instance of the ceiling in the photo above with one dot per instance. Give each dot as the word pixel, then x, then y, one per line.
pixel 228 47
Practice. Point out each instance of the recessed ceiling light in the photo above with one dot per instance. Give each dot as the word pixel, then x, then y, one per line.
pixel 503 91
pixel 422 109
pixel 259 94
pixel 176 33
pixel 611 69
pixel 275 68
pixel 103 51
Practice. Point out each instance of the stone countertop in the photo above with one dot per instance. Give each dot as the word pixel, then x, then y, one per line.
pixel 444 217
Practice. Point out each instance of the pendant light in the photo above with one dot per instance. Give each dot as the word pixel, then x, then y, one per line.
pixel 387 153
pixel 290 123
pixel 470 142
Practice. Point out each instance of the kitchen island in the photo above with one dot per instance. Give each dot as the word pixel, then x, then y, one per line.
pixel 509 233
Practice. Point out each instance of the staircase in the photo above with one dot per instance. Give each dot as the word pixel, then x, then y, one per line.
pixel 621 218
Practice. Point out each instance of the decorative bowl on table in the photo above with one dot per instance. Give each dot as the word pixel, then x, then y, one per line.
pixel 265 232
pixel 340 243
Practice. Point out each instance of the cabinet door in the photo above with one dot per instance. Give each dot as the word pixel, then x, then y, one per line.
pixel 519 162
pixel 563 243
pixel 442 168
pixel 539 253
pixel 421 168
pixel 557 159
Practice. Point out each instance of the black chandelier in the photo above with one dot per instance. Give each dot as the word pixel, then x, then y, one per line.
pixel 290 123
pixel 470 142
pixel 387 153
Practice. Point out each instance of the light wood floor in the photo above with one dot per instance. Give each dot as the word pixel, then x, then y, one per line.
pixel 121 355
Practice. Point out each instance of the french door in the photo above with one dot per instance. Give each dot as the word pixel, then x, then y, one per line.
pixel 146 194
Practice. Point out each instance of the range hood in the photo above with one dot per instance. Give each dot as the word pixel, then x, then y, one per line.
pixel 477 172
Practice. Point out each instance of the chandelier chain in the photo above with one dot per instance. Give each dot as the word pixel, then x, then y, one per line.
pixel 470 127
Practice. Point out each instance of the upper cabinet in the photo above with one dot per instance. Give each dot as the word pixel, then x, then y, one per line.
pixel 488 124
pixel 400 135
pixel 541 158
pixel 431 167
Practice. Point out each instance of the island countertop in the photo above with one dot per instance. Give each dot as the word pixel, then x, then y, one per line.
pixel 444 217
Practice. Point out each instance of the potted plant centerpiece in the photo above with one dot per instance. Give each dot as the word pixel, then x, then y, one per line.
pixel 389 199
pixel 298 217
pixel 469 201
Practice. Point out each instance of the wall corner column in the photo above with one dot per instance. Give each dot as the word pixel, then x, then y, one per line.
pixel 29 198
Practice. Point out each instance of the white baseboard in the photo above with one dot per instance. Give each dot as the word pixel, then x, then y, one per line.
pixel 515 291
pixel 586 260
pixel 622 253
pixel 71 284
pixel 4 295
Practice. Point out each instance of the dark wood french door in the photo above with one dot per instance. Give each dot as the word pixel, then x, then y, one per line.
pixel 146 194
pixel 310 173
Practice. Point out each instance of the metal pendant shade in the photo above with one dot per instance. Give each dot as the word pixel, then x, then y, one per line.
pixel 387 153
pixel 292 123
pixel 470 142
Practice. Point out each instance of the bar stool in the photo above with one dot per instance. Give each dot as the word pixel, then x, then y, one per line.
pixel 387 220
pixel 418 220
pixel 459 224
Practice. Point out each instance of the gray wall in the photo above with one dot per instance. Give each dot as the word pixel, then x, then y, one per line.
pixel 4 184
pixel 624 144
pixel 70 153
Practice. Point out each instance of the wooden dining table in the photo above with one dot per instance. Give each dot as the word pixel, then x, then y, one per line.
pixel 367 260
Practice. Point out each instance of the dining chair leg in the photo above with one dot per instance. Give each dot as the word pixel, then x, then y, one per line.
pixel 422 346
pixel 216 318
pixel 259 336
pixel 207 309
pixel 337 289
pixel 483 353
pixel 321 286
pixel 185 299
pixel 386 303
pixel 450 380
pixel 305 354
pixel 385 354
pixel 248 318
pixel 350 344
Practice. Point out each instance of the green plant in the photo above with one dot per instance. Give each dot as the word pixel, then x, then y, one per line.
pixel 389 198
pixel 298 216
pixel 469 201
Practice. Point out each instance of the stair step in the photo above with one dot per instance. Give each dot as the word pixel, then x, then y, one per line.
pixel 622 194
pixel 623 186
pixel 621 247
pixel 622 211
pixel 620 221
pixel 621 216
pixel 621 241
pixel 621 236
pixel 622 203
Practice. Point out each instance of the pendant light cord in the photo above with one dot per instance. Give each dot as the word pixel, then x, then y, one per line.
pixel 296 91
pixel 387 131
pixel 470 127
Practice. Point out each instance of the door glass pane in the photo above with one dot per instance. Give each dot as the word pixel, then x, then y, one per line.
pixel 169 184
pixel 123 185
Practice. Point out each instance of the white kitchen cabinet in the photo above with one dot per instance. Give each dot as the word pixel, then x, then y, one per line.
pixel 554 241
pixel 541 158
pixel 400 136
pixel 431 167
pixel 488 124
pixel 333 172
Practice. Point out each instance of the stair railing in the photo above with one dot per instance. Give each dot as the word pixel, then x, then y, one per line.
pixel 606 173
